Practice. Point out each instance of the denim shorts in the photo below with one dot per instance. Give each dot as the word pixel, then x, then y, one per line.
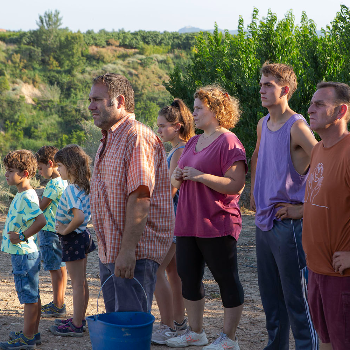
pixel 51 251
pixel 76 245
pixel 25 269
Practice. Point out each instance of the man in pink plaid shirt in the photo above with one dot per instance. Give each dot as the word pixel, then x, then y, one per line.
pixel 131 203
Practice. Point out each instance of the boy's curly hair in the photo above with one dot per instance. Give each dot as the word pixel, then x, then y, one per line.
pixel 45 154
pixel 77 163
pixel 225 107
pixel 22 160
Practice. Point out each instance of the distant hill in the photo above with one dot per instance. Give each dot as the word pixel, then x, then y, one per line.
pixel 190 29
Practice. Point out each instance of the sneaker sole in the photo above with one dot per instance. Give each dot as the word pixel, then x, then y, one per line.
pixel 37 342
pixel 57 323
pixel 72 334
pixel 159 342
pixel 187 344
pixel 23 347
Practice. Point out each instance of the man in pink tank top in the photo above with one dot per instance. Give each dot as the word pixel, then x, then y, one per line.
pixel 326 231
pixel 279 167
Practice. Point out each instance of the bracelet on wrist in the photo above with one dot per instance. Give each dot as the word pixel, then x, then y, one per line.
pixel 23 238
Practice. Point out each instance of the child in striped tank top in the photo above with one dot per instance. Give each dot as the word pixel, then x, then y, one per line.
pixel 73 214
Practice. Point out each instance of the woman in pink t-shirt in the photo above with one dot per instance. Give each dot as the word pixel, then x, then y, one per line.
pixel 211 174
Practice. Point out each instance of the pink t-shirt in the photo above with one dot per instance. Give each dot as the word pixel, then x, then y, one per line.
pixel 203 212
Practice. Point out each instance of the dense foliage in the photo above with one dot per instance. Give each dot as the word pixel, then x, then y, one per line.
pixel 234 62
pixel 46 74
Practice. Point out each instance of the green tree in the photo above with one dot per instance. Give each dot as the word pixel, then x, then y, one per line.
pixel 147 112
pixel 234 62
pixel 70 49
pixel 4 84
pixel 46 37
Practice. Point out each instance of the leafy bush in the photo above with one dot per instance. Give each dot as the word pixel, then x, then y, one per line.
pixel 234 62
pixel 4 84
pixel 149 50
pixel 50 93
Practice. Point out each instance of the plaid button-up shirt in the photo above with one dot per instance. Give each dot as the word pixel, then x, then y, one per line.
pixel 133 156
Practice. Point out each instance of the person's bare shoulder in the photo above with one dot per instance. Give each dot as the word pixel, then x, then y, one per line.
pixel 260 122
pixel 259 126
pixel 302 136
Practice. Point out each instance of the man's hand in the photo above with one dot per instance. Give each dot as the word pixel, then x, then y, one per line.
pixel 341 261
pixel 125 264
pixel 189 173
pixel 14 237
pixel 289 211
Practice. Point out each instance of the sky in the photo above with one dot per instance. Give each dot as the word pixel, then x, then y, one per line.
pixel 159 15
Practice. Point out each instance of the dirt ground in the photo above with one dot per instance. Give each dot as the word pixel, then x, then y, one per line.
pixel 251 332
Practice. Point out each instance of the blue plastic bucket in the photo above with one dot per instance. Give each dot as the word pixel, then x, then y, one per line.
pixel 121 330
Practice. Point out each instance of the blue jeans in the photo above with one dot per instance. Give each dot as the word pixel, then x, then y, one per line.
pixel 282 284
pixel 51 251
pixel 25 269
pixel 123 294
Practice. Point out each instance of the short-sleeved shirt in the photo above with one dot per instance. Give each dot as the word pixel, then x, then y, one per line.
pixel 53 191
pixel 201 211
pixel 326 226
pixel 133 156
pixel 73 197
pixel 23 210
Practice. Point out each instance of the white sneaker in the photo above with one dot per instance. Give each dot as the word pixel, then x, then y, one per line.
pixel 189 338
pixel 160 335
pixel 223 342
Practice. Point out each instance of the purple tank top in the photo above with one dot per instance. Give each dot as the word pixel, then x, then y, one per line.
pixel 276 179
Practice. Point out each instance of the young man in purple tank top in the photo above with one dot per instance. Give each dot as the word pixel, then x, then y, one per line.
pixel 279 168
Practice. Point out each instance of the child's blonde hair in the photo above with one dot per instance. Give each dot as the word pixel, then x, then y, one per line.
pixel 77 163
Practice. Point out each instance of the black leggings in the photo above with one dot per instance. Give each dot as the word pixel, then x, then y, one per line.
pixel 220 255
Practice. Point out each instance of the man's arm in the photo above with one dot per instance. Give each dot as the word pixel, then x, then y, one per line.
pixel 302 138
pixel 137 209
pixel 253 163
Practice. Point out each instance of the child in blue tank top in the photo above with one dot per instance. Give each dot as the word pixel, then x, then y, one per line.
pixel 176 126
